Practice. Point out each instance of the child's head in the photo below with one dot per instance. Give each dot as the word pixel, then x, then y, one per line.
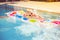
pixel 29 14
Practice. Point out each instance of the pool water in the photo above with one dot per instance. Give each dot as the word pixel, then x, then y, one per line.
pixel 4 9
pixel 19 30
pixel 7 27
pixel 24 31
pixel 8 31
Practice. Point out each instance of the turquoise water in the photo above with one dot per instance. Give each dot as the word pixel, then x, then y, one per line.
pixel 7 31
pixel 19 30
pixel 11 31
pixel 5 8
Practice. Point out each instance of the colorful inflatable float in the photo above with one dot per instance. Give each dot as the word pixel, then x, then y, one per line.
pixel 25 16
pixel 32 17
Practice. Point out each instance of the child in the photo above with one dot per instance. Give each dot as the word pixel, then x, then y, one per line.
pixel 31 15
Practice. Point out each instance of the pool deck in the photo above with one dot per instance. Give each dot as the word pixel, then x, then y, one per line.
pixel 46 6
